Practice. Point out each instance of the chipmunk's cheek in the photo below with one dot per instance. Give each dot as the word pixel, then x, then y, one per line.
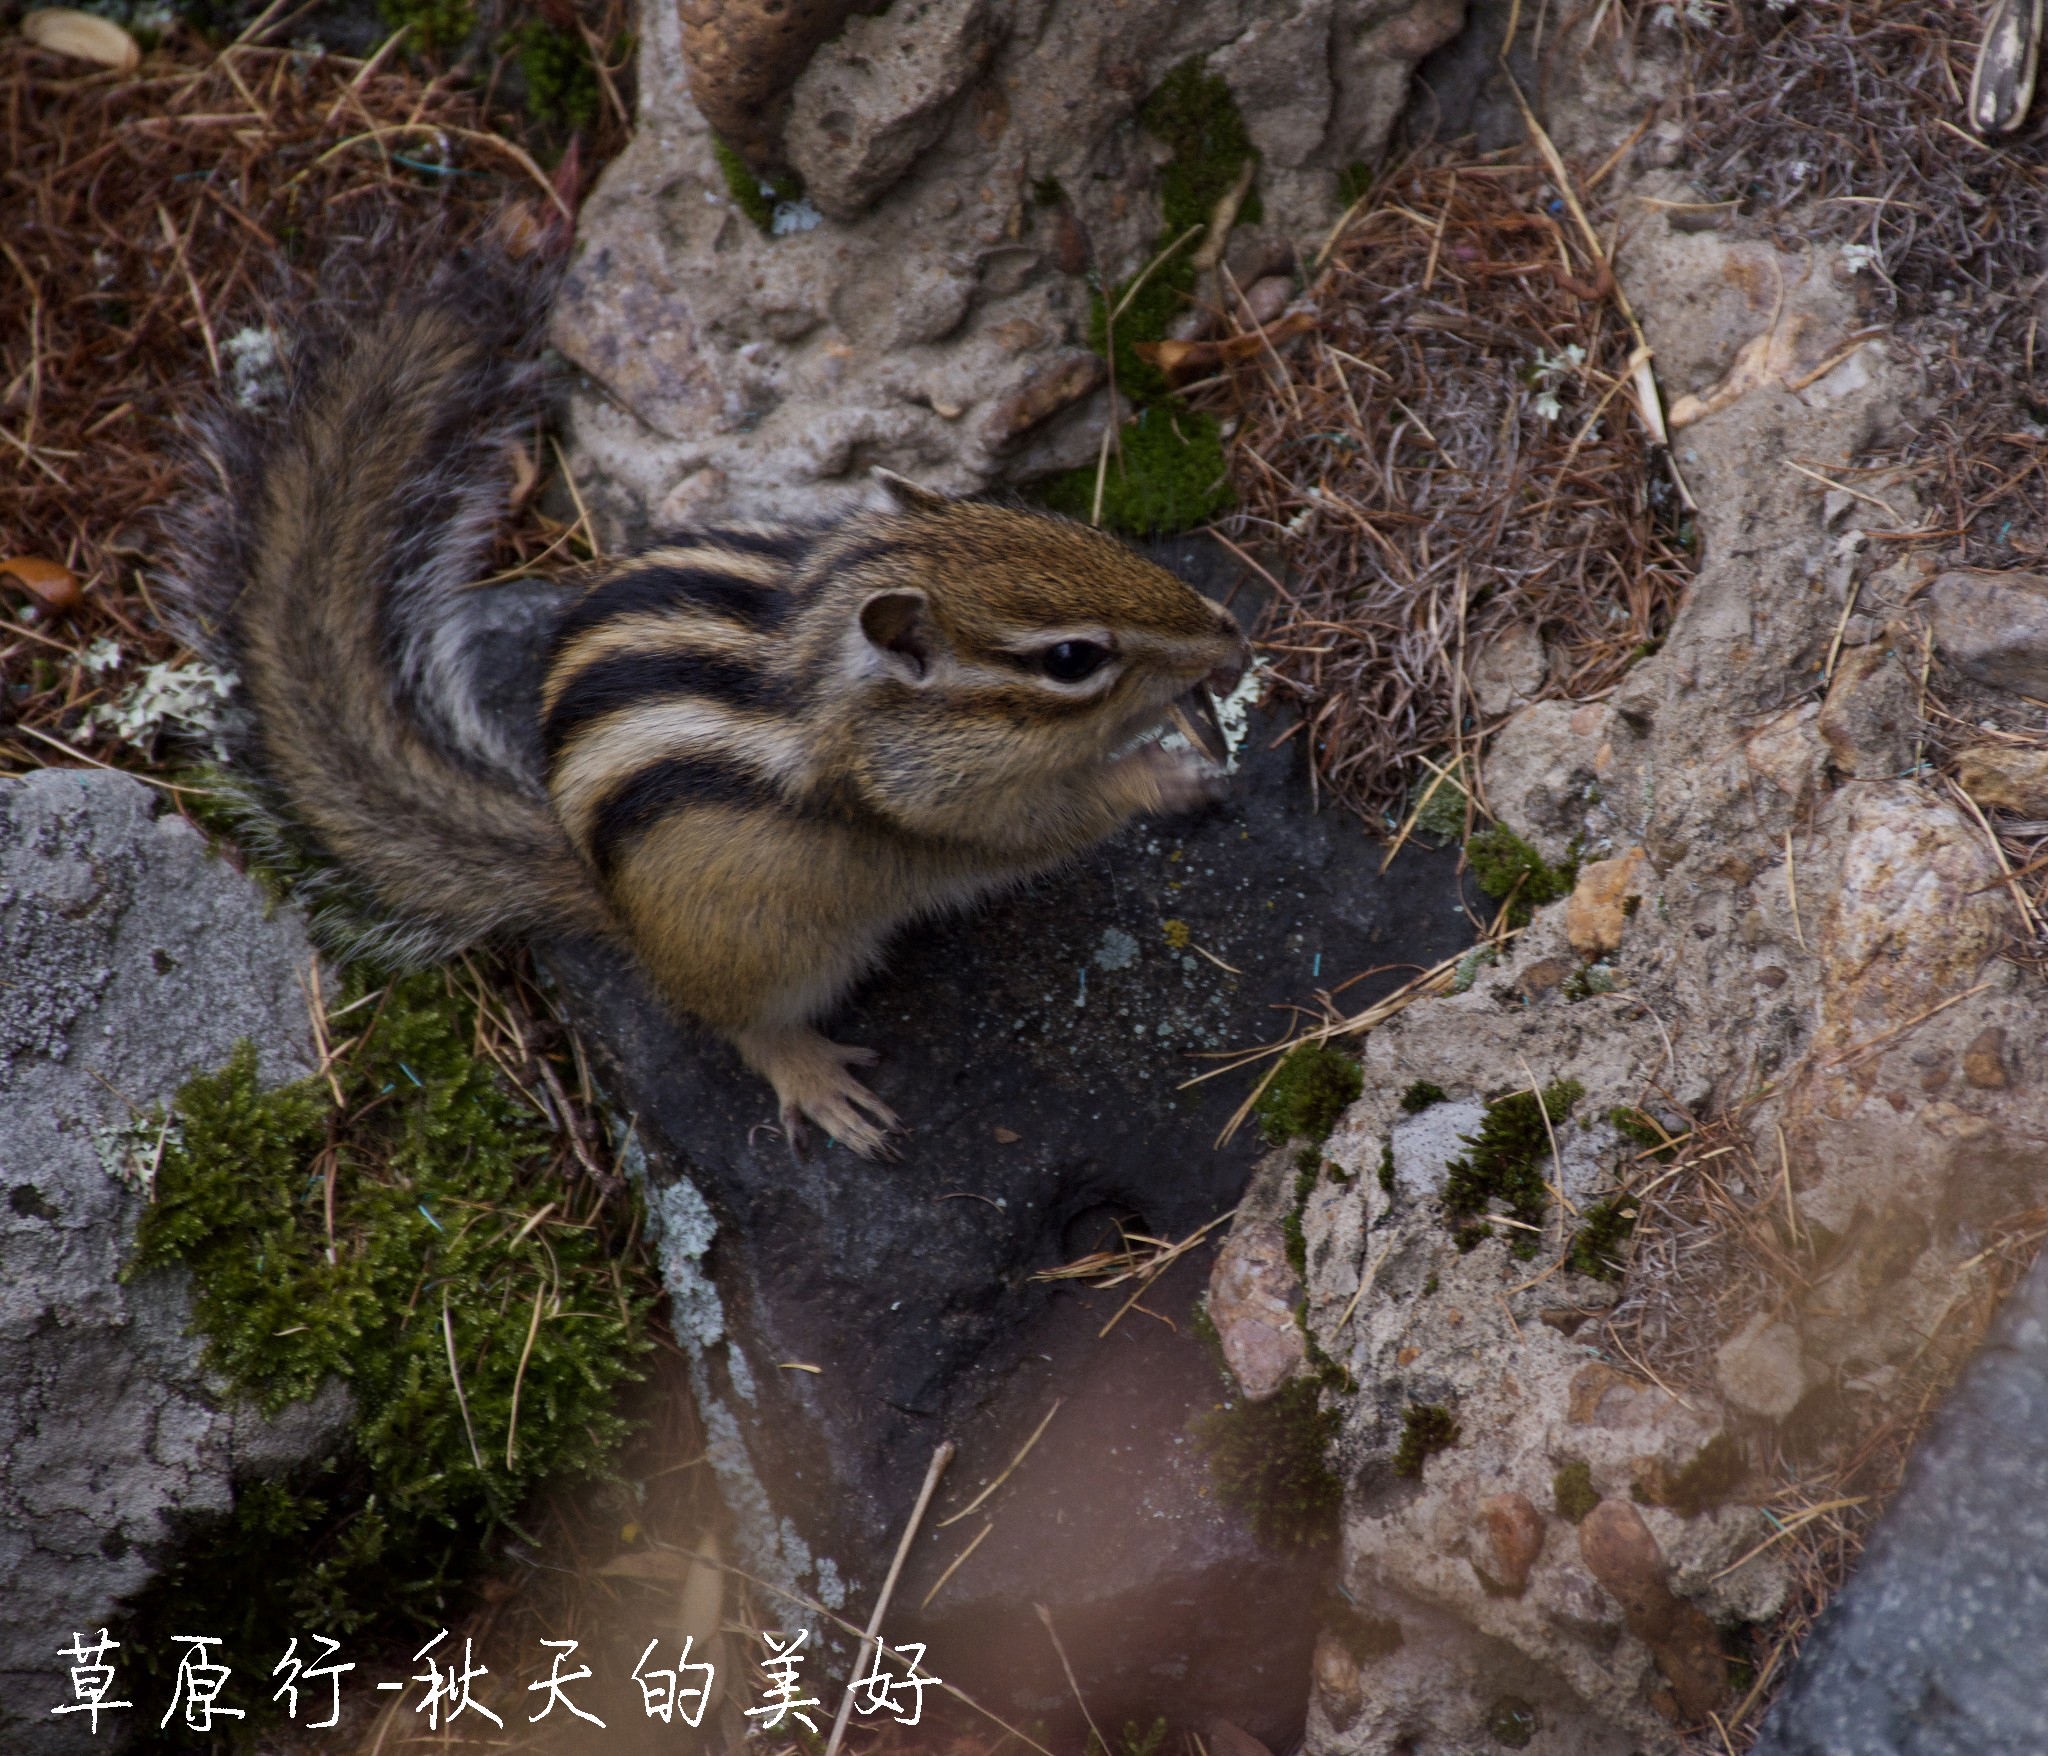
pixel 1225 677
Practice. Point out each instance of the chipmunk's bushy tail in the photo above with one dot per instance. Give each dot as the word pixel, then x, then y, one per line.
pixel 325 557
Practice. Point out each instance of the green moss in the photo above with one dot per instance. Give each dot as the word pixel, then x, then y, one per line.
pixel 1644 1129
pixel 1314 1086
pixel 1715 1472
pixel 1507 867
pixel 1167 475
pixel 1511 1722
pixel 1469 966
pixel 1426 1429
pixel 1422 1095
pixel 754 195
pixel 1572 1490
pixel 1596 1245
pixel 1269 1461
pixel 1429 1286
pixel 1440 805
pixel 436 1174
pixel 1387 1167
pixel 1307 1163
pixel 1507 1163
pixel 1354 181
pixel 561 85
pixel 1166 472
pixel 434 26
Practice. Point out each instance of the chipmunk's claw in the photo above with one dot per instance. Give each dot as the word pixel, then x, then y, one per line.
pixel 812 1082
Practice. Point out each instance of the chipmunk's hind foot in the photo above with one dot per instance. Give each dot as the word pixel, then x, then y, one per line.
pixel 813 1083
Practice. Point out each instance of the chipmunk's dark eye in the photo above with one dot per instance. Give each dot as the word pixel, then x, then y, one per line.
pixel 1074 661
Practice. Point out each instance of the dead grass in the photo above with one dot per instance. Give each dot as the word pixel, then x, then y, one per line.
pixel 1840 123
pixel 157 224
pixel 1452 452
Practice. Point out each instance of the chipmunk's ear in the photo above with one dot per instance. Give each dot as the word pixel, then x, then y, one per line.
pixel 899 634
pixel 907 496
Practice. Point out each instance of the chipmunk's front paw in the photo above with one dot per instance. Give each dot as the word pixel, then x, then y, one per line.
pixel 812 1082
pixel 1168 781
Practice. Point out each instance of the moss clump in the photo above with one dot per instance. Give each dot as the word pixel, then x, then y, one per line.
pixel 1591 979
pixel 561 85
pixel 1194 114
pixel 1429 1286
pixel 1268 1460
pixel 1509 870
pixel 1354 182
pixel 437 1176
pixel 1596 1245
pixel 1506 1163
pixel 1643 1128
pixel 1167 471
pixel 1313 1087
pixel 434 26
pixel 1469 966
pixel 1170 474
pixel 1572 1491
pixel 754 195
pixel 1426 1429
pixel 1716 1471
pixel 1423 1094
pixel 1387 1167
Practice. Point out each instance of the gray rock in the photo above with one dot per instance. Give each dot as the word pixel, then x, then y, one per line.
pixel 132 960
pixel 878 94
pixel 931 279
pixel 1934 1646
pixel 1993 627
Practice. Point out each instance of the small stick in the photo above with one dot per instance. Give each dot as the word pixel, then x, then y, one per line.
pixel 519 1377
pixel 455 1372
pixel 1556 1157
pixel 1045 1616
pixel 953 1566
pixel 1792 895
pixel 1785 1175
pixel 1022 1453
pixel 940 1458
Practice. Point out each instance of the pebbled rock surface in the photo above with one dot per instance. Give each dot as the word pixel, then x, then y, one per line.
pixel 129 960
pixel 970 166
pixel 1934 1646
pixel 1038 1046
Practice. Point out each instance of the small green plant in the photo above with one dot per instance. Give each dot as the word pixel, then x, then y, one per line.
pixel 1313 1087
pixel 1422 1095
pixel 1430 1285
pixel 1354 183
pixel 1509 870
pixel 1572 1490
pixel 1387 1167
pixel 1269 1460
pixel 1137 1740
pixel 1590 979
pixel 1507 1161
pixel 1596 1245
pixel 1426 1429
pixel 754 195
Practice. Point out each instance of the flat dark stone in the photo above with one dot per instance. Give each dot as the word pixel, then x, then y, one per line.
pixel 1038 1047
pixel 1938 1645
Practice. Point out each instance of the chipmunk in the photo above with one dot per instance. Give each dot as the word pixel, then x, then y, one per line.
pixel 767 747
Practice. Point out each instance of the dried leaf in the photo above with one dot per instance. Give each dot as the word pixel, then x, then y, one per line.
pixel 52 586
pixel 83 36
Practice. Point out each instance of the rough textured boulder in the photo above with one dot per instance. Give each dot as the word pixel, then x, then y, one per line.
pixel 969 166
pixel 132 960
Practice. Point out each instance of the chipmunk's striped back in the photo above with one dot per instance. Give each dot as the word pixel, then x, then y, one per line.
pixel 766 748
